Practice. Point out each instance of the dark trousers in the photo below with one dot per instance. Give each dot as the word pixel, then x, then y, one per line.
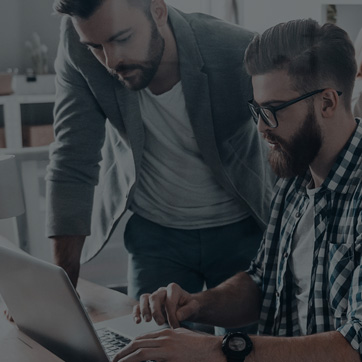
pixel 194 259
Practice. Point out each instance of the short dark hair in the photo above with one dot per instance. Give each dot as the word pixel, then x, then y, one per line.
pixel 86 8
pixel 314 56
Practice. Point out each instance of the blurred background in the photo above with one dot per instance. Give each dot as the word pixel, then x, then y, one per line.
pixel 28 42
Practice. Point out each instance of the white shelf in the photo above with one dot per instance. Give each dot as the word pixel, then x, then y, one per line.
pixel 26 93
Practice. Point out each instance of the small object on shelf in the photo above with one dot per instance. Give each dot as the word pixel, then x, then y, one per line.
pixel 2 138
pixel 30 75
pixel 37 135
pixel 6 84
pixel 44 84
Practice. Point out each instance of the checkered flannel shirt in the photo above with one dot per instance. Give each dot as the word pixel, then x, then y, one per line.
pixel 335 298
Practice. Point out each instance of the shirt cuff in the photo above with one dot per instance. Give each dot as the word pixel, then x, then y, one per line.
pixel 352 332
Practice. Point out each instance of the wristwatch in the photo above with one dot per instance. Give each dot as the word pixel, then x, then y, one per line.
pixel 236 346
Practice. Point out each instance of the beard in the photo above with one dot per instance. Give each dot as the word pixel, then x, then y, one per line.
pixel 146 69
pixel 292 158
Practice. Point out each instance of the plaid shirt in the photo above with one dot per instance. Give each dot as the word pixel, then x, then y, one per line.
pixel 335 298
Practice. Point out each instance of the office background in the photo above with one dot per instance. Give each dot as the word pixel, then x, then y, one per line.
pixel 21 19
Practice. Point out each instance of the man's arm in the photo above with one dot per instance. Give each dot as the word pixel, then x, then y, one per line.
pixel 79 127
pixel 67 251
pixel 184 345
pixel 328 346
pixel 233 303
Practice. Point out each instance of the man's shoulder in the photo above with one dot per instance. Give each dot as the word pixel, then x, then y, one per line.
pixel 66 26
pixel 70 47
pixel 68 35
pixel 211 32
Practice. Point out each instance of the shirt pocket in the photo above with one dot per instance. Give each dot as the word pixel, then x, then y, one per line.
pixel 340 270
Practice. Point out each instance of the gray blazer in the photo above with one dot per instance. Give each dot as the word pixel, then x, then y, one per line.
pixel 96 158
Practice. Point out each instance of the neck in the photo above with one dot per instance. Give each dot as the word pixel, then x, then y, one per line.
pixel 168 73
pixel 335 137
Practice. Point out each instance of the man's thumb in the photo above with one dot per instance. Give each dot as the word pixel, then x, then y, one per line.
pixel 187 311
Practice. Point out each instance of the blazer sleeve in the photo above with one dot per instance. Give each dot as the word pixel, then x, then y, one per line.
pixel 79 126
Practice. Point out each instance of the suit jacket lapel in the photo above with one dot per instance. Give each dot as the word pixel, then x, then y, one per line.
pixel 131 115
pixel 195 84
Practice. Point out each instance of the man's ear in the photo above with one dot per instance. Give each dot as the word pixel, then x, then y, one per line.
pixel 159 12
pixel 330 100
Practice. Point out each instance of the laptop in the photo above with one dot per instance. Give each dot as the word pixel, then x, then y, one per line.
pixel 46 307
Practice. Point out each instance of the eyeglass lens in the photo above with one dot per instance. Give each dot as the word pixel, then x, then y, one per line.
pixel 266 114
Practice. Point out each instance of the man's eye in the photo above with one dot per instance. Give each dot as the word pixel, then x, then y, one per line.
pixel 123 40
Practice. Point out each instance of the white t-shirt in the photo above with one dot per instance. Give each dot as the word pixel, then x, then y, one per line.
pixel 176 188
pixel 301 259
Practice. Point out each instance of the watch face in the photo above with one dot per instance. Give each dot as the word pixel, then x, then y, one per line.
pixel 237 343
pixel 236 346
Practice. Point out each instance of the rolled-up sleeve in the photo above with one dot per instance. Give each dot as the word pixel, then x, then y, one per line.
pixel 256 269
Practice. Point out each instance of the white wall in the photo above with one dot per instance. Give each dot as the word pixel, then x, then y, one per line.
pixel 9 33
pixel 18 20
pixel 220 9
pixel 349 17
pixel 36 16
pixel 259 15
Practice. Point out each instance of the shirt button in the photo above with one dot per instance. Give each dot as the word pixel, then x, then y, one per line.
pixel 285 255
pixel 277 294
pixel 297 215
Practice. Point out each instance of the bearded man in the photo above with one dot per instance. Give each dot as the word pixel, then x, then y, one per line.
pixel 305 285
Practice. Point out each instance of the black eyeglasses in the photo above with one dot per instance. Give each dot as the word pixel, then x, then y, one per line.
pixel 268 113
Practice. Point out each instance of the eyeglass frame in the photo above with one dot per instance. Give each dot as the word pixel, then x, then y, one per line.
pixel 256 110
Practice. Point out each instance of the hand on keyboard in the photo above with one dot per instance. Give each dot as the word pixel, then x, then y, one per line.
pixel 173 345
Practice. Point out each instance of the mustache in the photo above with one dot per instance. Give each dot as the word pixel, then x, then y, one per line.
pixel 271 138
pixel 123 67
pixel 126 67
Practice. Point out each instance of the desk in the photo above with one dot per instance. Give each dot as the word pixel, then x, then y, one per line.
pixel 100 302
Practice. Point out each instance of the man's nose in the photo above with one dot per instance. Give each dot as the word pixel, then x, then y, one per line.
pixel 261 125
pixel 112 57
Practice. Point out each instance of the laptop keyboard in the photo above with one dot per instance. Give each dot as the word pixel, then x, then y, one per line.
pixel 112 342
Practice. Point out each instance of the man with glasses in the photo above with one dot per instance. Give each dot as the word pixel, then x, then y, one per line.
pixel 305 285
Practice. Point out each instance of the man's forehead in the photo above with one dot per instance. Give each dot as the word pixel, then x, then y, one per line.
pixel 272 85
pixel 112 17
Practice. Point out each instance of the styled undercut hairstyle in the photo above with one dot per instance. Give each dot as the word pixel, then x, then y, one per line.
pixel 86 8
pixel 314 56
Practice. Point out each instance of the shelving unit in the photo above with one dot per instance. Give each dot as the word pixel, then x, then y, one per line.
pixel 29 105
pixel 13 125
pixel 110 267
pixel 41 91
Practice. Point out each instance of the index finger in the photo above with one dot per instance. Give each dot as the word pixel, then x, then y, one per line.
pixel 156 303
pixel 172 304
